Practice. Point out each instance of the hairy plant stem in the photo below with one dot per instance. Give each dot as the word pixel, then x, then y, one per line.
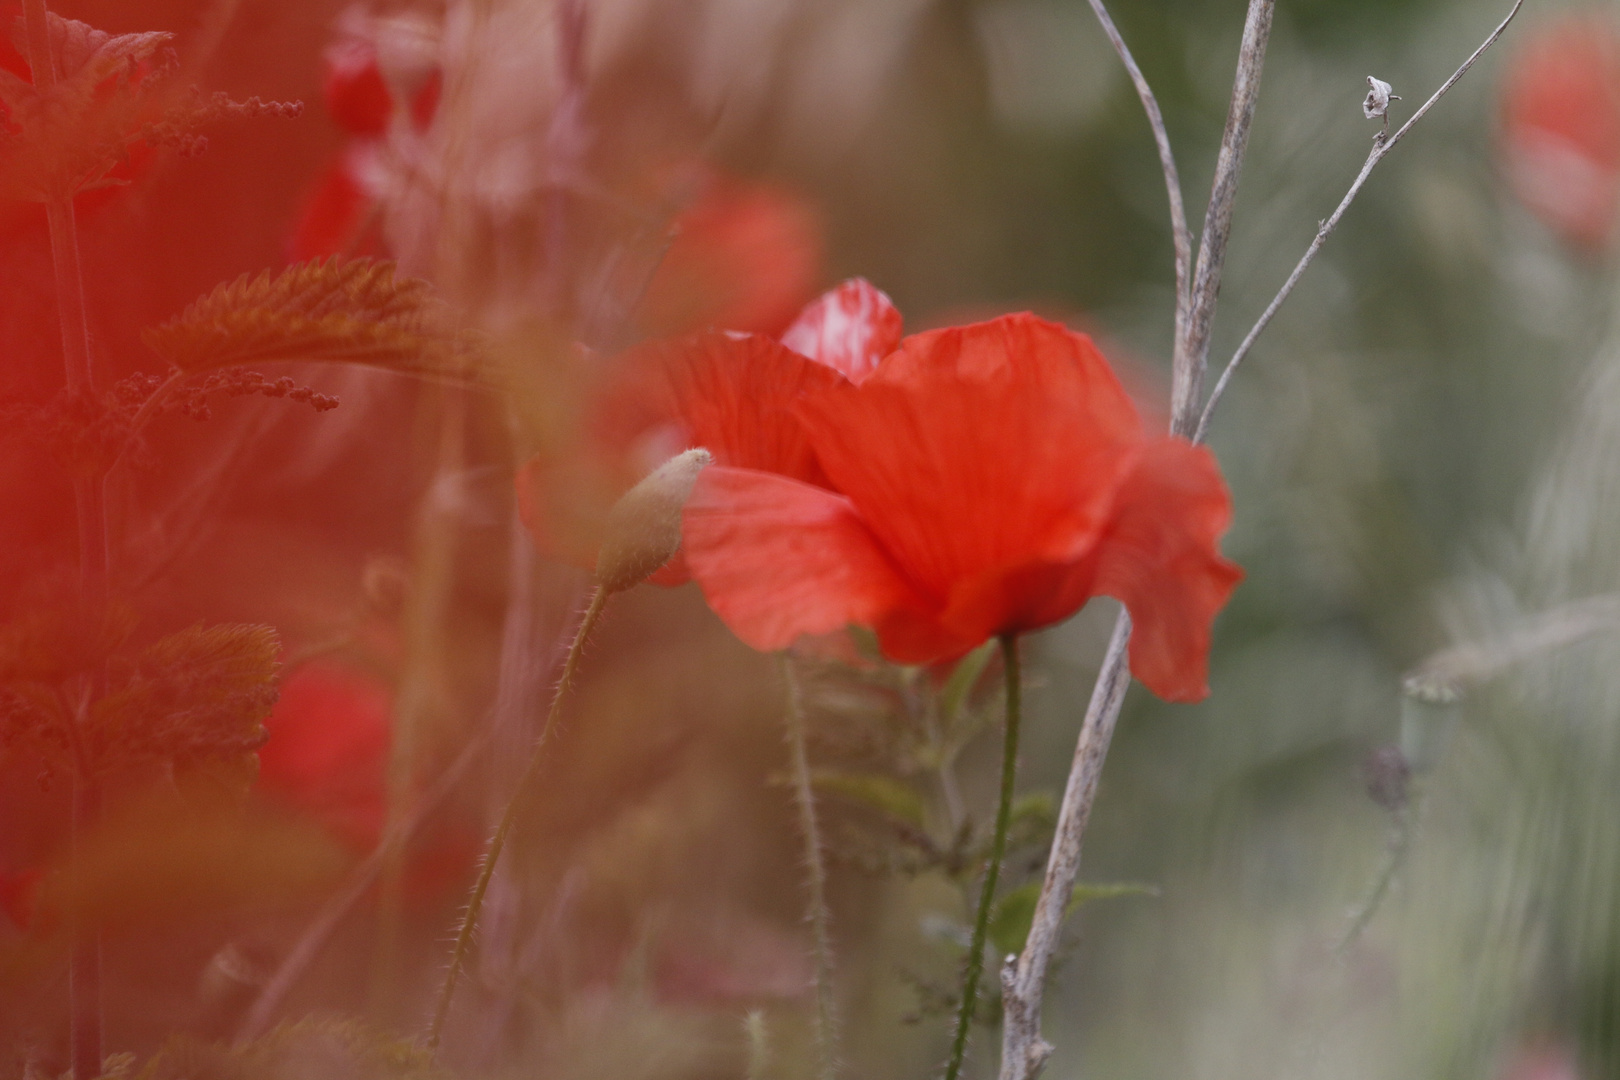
pixel 497 840
pixel 992 870
pixel 84 963
pixel 360 880
pixel 817 913
pixel 433 577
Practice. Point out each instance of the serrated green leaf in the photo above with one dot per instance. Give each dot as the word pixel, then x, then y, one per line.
pixel 884 794
pixel 334 311
pixel 1014 913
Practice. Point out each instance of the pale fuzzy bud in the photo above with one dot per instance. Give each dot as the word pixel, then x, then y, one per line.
pixel 644 527
pixel 1378 98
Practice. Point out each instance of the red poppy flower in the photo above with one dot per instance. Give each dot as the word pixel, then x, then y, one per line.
pixel 728 392
pixel 327 754
pixel 746 256
pixel 1561 126
pixel 984 480
pixel 362 101
pixel 19 895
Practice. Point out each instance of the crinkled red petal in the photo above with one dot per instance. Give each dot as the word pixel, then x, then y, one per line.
pixel 1160 558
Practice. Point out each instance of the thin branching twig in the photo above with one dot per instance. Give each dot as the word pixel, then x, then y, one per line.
pixel 1381 146
pixel 1192 339
pixel 1180 234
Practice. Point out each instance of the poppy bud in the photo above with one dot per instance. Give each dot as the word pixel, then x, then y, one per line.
pixel 644 526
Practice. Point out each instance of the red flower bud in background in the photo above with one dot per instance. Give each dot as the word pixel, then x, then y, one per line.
pixel 985 480
pixel 1561 126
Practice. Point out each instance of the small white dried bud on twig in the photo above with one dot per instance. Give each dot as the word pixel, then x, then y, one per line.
pixel 644 527
pixel 1376 105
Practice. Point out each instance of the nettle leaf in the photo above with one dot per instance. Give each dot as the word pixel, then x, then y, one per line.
pixel 884 794
pixel 340 311
pixel 1014 913
pixel 199 695
pixel 64 139
pixel 76 45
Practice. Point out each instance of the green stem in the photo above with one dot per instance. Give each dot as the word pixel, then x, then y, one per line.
pixel 497 840
pixel 817 912
pixel 992 871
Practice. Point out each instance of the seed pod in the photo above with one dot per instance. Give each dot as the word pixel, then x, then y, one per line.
pixel 644 527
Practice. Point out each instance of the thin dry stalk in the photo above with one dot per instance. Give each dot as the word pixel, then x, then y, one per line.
pixel 1023 978
pixel 1192 343
pixel 1024 1051
pixel 1380 147
pixel 1471 662
pixel 1180 234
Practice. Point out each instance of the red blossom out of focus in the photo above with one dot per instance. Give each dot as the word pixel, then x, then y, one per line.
pixel 746 256
pixel 727 392
pixel 363 104
pixel 1561 126
pixel 984 480
pixel 327 755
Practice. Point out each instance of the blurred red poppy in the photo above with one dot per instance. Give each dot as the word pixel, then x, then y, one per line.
pixel 327 755
pixel 1561 126
pixel 984 480
pixel 746 256
pixel 364 103
pixel 731 393
pixel 19 895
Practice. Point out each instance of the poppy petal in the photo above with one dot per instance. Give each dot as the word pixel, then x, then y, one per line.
pixel 1160 558
pixel 848 328
pixel 735 393
pixel 778 559
pixel 980 449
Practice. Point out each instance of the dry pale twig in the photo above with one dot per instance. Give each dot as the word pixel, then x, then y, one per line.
pixel 1381 146
pixel 1455 668
pixel 1023 978
pixel 1180 234
pixel 1024 1051
pixel 1192 344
